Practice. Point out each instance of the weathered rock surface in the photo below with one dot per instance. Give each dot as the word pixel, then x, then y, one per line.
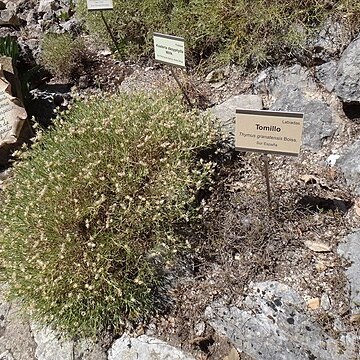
pixel 9 18
pixel 273 324
pixel 46 99
pixel 273 81
pixel 6 355
pixel 226 111
pixel 87 350
pixel 349 163
pixel 49 346
pixel 347 86
pixel 350 249
pixel 329 42
pixel 319 122
pixel 144 348
pixel 326 75
pixel 294 89
pixel 47 6
pixel 16 340
pixel 36 17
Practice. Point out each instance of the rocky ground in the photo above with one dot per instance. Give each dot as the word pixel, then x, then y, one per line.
pixel 268 281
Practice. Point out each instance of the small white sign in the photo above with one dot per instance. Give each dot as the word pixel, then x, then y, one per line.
pixel 169 49
pixel 100 5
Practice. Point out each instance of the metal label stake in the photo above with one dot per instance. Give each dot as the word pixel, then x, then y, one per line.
pixel 265 158
pixel 180 86
pixel 110 32
pixel 170 50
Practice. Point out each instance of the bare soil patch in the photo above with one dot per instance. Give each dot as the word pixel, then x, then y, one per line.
pixel 243 239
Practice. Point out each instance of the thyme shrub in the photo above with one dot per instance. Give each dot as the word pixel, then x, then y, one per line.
pixel 62 55
pixel 88 221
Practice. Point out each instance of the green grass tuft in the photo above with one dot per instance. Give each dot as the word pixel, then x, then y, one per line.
pixel 88 222
pixel 62 55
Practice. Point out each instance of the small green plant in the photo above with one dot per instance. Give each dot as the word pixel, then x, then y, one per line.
pixel 62 55
pixel 89 220
pixel 9 47
pixel 66 15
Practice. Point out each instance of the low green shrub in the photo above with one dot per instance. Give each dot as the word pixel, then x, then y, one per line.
pixel 62 55
pixel 249 32
pixel 88 223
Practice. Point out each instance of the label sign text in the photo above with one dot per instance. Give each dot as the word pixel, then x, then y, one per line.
pixel 6 106
pixel 100 4
pixel 273 132
pixel 169 49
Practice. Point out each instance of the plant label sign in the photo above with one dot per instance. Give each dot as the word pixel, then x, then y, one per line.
pixel 169 49
pixel 12 114
pixel 273 132
pixel 93 5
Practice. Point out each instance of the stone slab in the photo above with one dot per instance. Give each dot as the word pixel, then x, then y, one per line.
pixel 273 324
pixel 350 249
pixel 226 111
pixel 50 346
pixel 349 163
pixel 348 74
pixel 319 123
pixel 144 348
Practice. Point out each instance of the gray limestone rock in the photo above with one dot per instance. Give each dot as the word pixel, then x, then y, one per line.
pixel 47 6
pixel 326 75
pixel 273 81
pixel 347 86
pixel 226 111
pixel 294 89
pixel 329 41
pixel 325 302
pixel 349 163
pixel 6 355
pixel 350 249
pixel 318 118
pixel 70 25
pixel 50 346
pixel 144 348
pixel 9 18
pixel 273 325
pixel 88 350
pixel 16 341
pixel 17 337
pixel 5 174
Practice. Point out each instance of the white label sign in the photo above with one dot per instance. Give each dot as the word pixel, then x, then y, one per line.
pixel 100 4
pixel 169 49
pixel 266 131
